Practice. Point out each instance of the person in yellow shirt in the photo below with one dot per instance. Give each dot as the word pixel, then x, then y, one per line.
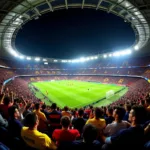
pixel 42 118
pixel 97 121
pixel 32 137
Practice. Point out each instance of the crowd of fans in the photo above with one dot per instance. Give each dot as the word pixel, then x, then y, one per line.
pixel 27 123
pixel 33 125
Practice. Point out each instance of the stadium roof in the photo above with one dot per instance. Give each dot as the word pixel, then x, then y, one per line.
pixel 14 14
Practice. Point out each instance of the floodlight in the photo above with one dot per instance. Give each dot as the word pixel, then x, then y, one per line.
pixel 28 58
pixel 92 58
pixel 77 60
pixel 122 52
pixel 82 59
pixel 105 56
pixel 69 61
pixel 44 59
pixel 21 57
pixel 37 59
pixel 13 52
pixel 87 58
pixel 136 47
pixel 16 55
pixel 96 57
pixel 128 51
pixel 45 63
pixel 55 60
pixel 64 61
pixel 110 55
pixel 116 53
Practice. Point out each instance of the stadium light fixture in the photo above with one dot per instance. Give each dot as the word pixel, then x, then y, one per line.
pixel 128 51
pixel 55 60
pixel 136 48
pixel 21 57
pixel 44 59
pixel 105 56
pixel 69 61
pixel 76 60
pixel 13 52
pixel 122 52
pixel 64 61
pixel 82 59
pixel 96 57
pixel 37 59
pixel 110 55
pixel 87 58
pixel 28 58
pixel 116 53
pixel 45 63
pixel 91 58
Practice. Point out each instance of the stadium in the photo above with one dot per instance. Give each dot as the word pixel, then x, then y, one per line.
pixel 67 100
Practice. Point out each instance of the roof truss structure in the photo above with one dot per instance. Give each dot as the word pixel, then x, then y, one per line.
pixel 14 14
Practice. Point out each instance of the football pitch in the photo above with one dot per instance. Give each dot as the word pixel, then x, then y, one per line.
pixel 75 94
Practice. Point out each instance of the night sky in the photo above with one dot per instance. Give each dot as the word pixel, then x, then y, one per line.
pixel 74 33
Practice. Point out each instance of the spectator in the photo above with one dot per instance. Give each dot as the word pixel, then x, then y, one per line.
pixel 66 112
pixel 89 110
pixel 4 107
pixel 130 138
pixel 65 134
pixel 118 124
pixel 20 107
pixel 127 108
pixel 97 121
pixel 3 122
pixel 54 118
pixel 109 119
pixel 78 123
pixel 27 110
pixel 2 98
pixel 33 137
pixel 43 110
pixel 89 141
pixel 42 118
pixel 14 125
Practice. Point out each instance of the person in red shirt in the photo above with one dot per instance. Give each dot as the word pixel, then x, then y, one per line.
pixel 4 107
pixel 65 134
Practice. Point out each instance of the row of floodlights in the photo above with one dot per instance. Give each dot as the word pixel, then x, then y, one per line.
pixel 83 59
pixel 119 53
pixel 64 61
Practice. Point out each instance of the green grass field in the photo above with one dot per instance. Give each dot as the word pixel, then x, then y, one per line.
pixel 76 93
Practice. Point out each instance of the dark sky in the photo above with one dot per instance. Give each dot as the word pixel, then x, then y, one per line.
pixel 74 33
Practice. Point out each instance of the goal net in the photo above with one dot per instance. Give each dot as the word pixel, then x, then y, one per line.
pixel 110 94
